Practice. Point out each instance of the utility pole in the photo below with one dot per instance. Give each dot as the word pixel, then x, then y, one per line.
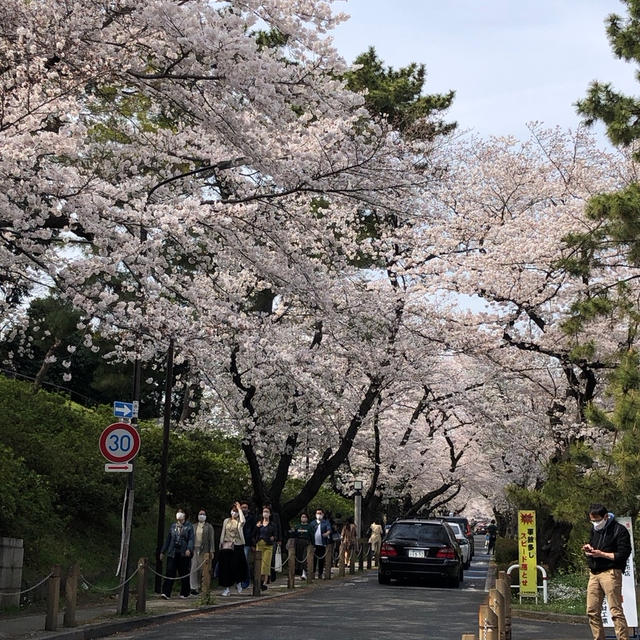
pixel 164 462
pixel 123 597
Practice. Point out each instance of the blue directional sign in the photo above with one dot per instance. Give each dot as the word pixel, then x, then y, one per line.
pixel 123 409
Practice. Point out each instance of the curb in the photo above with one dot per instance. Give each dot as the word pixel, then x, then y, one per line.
pixel 549 616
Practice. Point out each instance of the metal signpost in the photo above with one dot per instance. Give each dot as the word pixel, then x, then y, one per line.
pixel 119 443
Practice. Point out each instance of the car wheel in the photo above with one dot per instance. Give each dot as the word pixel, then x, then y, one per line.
pixel 383 579
pixel 454 583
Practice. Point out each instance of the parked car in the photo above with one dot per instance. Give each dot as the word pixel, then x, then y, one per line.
pixel 465 547
pixel 480 529
pixel 466 528
pixel 421 548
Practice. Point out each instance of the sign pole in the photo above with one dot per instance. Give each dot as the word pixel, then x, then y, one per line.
pixel 123 597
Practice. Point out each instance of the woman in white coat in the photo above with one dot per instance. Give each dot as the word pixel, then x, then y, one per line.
pixel 232 564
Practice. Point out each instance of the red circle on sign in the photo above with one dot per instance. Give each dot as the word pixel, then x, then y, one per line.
pixel 119 442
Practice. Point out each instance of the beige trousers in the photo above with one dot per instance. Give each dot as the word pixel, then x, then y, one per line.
pixel 609 584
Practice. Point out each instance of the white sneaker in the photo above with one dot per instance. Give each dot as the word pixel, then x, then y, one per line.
pixel 226 592
pixel 304 575
pixel 239 587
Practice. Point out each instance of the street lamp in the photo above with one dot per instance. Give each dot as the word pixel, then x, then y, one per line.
pixel 357 485
pixel 385 508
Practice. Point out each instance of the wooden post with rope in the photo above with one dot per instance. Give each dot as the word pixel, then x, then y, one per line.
pixel 257 573
pixel 328 561
pixel 291 556
pixel 53 599
pixel 310 555
pixel 71 596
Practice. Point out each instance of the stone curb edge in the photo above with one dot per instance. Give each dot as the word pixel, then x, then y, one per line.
pixel 549 616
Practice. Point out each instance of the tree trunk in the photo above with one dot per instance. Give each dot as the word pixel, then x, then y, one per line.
pixel 37 383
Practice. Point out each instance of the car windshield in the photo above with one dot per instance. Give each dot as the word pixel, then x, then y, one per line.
pixel 418 531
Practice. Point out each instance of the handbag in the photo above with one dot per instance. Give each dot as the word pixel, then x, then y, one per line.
pixel 278 561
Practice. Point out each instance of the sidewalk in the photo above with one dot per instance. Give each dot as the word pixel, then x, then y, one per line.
pixel 99 620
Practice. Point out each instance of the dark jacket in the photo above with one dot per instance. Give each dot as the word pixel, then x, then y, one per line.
pixel 179 540
pixel 304 532
pixel 265 533
pixel 325 530
pixel 614 537
pixel 249 527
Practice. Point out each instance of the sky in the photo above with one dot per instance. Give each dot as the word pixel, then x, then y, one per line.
pixel 509 61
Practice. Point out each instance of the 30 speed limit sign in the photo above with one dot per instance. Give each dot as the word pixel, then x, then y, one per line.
pixel 119 444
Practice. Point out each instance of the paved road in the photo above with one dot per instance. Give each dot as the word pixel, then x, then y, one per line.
pixel 361 609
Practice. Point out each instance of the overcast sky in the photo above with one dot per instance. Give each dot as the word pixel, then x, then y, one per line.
pixel 509 61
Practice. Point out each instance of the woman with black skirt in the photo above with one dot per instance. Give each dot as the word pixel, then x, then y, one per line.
pixel 232 564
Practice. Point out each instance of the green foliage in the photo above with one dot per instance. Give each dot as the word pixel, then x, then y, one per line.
pixel 618 112
pixel 206 470
pixel 567 594
pixel 396 95
pixel 561 503
pixel 506 552
pixel 52 324
pixel 326 499
pixel 57 497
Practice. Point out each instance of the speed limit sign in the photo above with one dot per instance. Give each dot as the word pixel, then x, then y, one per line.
pixel 119 443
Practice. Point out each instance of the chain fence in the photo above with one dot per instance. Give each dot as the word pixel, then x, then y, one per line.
pixel 35 586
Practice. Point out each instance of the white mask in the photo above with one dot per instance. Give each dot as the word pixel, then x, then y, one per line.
pixel 266 514
pixel 599 526
pixel 180 516
pixel 234 514
pixel 202 517
pixel 318 517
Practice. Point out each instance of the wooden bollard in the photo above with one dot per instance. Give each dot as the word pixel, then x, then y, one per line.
pixel 328 561
pixel 487 623
pixel 368 555
pixel 141 599
pixel 53 599
pixel 310 557
pixel 352 562
pixel 257 573
pixel 468 636
pixel 503 584
pixel 341 564
pixel 496 602
pixel 205 580
pixel 71 596
pixel 291 555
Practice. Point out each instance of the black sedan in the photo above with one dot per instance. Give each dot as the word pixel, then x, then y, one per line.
pixel 420 548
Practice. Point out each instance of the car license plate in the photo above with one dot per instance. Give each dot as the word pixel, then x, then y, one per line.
pixel 416 553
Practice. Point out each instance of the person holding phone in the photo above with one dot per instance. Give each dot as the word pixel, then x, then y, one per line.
pixel 607 552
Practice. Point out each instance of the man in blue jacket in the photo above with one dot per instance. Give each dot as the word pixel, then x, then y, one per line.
pixel 607 552
pixel 179 548
pixel 321 533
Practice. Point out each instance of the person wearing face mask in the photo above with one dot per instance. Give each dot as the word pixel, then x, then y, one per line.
pixel 607 552
pixel 265 537
pixel 232 565
pixel 203 543
pixel 321 531
pixel 178 548
pixel 304 537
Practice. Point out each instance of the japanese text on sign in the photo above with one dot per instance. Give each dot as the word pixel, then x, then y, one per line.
pixel 527 557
